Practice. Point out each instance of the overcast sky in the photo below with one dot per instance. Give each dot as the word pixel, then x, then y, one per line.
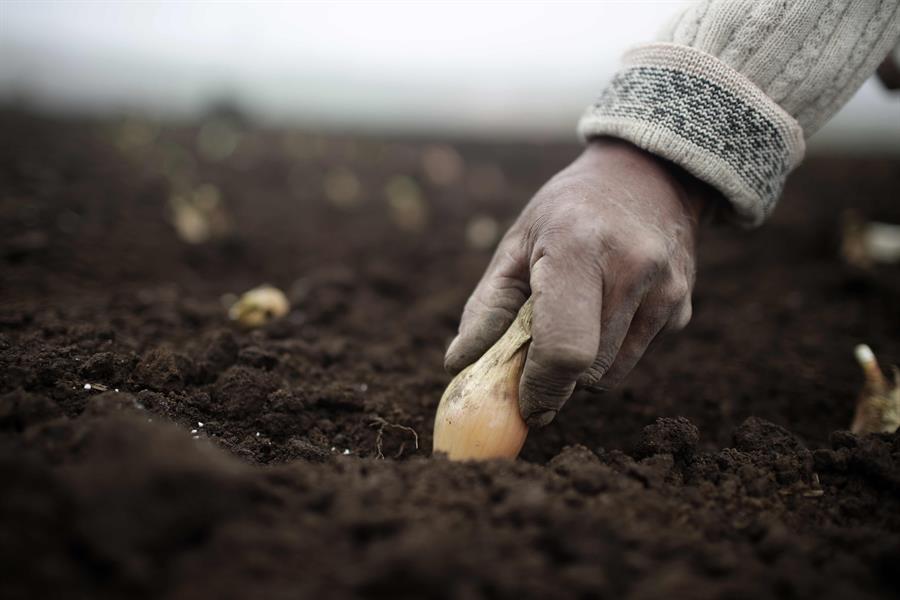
pixel 521 69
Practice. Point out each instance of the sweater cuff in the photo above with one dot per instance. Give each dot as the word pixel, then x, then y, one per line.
pixel 694 110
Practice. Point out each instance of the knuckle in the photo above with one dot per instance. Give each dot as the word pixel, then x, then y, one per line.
pixel 474 308
pixel 496 299
pixel 594 374
pixel 600 366
pixel 649 255
pixel 589 380
pixel 567 239
pixel 580 233
pixel 682 316
pixel 511 242
pixel 678 290
pixel 563 359
pixel 541 395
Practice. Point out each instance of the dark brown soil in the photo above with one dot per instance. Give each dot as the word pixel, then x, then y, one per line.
pixel 719 470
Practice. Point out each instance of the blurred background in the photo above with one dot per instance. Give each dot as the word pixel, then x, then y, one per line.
pixel 488 70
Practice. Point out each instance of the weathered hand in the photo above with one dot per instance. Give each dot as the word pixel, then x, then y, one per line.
pixel 606 248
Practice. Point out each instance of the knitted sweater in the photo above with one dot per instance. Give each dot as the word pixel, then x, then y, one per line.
pixel 732 88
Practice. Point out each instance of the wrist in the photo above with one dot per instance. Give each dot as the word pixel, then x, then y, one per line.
pixel 698 199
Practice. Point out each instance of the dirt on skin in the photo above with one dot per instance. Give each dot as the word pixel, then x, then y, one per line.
pixel 293 460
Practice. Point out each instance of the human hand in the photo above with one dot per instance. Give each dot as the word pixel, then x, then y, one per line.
pixel 606 248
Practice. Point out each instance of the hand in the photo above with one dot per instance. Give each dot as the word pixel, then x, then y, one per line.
pixel 606 248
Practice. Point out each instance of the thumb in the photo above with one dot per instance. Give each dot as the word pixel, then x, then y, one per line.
pixel 488 313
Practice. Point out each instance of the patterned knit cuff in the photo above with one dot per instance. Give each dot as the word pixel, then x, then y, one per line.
pixel 689 107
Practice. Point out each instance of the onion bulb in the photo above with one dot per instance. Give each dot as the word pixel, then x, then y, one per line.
pixel 259 306
pixel 478 417
pixel 878 406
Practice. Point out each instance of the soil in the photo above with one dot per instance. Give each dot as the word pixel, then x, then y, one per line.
pixel 293 460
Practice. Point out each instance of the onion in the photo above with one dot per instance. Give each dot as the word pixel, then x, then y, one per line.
pixel 478 417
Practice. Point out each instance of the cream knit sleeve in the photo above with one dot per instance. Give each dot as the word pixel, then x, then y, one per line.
pixel 733 87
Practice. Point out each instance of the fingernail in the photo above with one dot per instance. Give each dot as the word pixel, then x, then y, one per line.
pixel 450 357
pixel 540 419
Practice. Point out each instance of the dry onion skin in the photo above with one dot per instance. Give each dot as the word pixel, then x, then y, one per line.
pixel 878 406
pixel 259 306
pixel 478 417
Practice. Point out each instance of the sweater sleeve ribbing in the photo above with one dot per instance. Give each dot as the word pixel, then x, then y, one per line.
pixel 732 88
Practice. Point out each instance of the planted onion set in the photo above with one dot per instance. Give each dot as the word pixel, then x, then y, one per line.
pixel 478 416
pixel 878 405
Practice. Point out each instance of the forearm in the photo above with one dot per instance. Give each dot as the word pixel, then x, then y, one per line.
pixel 733 88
